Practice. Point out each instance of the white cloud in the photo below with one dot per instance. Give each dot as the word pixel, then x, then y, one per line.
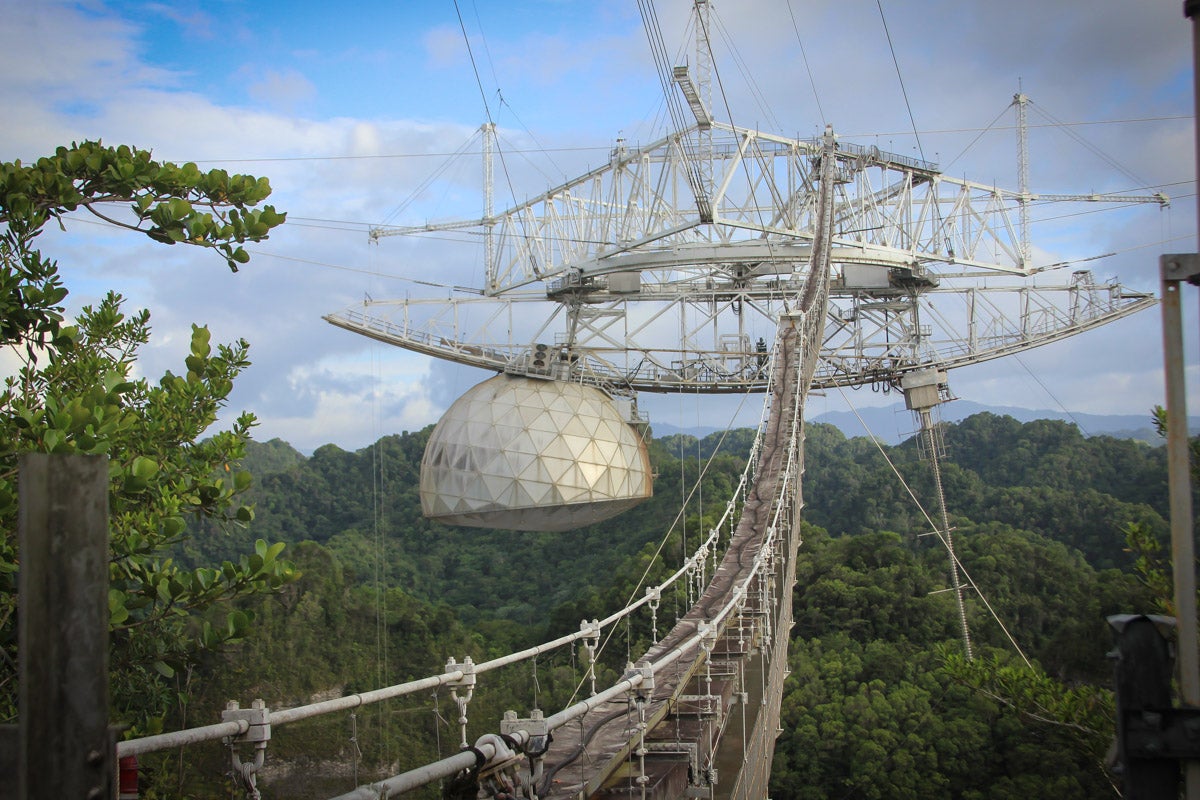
pixel 574 85
pixel 283 91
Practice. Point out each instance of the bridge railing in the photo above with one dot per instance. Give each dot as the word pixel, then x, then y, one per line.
pixel 254 724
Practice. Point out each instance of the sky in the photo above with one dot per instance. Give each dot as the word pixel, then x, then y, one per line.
pixel 351 110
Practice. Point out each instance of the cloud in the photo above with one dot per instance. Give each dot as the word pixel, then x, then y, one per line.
pixel 354 133
pixel 444 47
pixel 282 91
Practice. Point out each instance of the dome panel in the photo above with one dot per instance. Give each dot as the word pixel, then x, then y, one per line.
pixel 528 454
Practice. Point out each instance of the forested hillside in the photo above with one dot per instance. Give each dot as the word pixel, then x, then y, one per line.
pixel 879 705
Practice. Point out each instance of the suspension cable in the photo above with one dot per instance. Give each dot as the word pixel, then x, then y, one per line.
pixel 936 531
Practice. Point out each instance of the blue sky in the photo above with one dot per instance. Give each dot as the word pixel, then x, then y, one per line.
pixel 346 109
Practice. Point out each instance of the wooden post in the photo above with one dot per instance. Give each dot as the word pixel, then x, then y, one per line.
pixel 66 749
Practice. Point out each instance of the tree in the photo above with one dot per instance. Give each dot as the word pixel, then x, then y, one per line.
pixel 75 393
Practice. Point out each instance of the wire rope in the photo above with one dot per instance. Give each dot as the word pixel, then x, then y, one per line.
pixel 934 528
pixel 900 78
pixel 807 68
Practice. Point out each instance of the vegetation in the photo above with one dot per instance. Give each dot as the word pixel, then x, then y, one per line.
pixel 1056 530
pixel 75 392
pixel 880 703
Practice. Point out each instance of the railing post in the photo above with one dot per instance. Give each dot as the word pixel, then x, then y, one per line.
pixel 66 749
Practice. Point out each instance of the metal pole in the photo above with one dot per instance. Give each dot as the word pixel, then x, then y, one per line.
pixel 1183 555
pixel 1179 467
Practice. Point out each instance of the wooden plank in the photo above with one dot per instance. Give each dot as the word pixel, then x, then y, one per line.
pixel 65 748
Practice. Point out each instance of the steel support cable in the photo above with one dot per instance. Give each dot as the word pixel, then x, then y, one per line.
pixel 755 90
pixel 714 534
pixel 236 728
pixel 934 530
pixel 486 748
pixel 899 77
pixel 947 536
pixel 1112 162
pixel 487 110
pixel 675 107
pixel 474 68
pixel 427 182
pixel 807 68
pixel 979 136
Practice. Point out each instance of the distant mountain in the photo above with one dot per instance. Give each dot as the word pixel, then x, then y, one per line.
pixel 266 458
pixel 894 423
pixel 890 424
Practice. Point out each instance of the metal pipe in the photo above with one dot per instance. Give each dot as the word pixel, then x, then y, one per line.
pixel 356 700
pixel 407 781
pixel 1179 469
pixel 165 741
pixel 1179 477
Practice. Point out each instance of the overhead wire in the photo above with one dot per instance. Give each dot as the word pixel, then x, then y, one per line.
pixel 807 68
pixel 900 78
pixel 934 527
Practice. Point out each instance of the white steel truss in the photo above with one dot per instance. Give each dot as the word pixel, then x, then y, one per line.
pixel 633 285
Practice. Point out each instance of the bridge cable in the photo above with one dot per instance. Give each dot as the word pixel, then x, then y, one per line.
pixel 807 68
pixel 742 486
pixel 934 528
pixel 912 120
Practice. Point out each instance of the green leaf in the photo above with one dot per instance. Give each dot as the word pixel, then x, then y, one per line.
pixel 117 612
pixel 143 468
pixel 237 623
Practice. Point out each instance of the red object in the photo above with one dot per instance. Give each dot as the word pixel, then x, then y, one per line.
pixel 128 770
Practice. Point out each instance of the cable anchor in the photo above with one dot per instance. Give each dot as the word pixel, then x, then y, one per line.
pixel 534 732
pixel 258 718
pixel 591 641
pixel 467 681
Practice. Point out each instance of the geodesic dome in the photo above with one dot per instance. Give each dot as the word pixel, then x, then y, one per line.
pixel 534 455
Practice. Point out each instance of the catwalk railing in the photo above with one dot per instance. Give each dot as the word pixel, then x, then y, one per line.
pixel 256 725
pixel 742 614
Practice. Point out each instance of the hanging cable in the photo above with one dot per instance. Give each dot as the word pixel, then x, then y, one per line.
pixel 912 120
pixel 807 68
pixel 934 528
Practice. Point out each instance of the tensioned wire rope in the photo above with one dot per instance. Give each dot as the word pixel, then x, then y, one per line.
pixel 280 717
pixel 934 529
pixel 728 517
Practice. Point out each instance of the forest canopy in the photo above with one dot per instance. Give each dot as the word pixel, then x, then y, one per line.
pixel 880 702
